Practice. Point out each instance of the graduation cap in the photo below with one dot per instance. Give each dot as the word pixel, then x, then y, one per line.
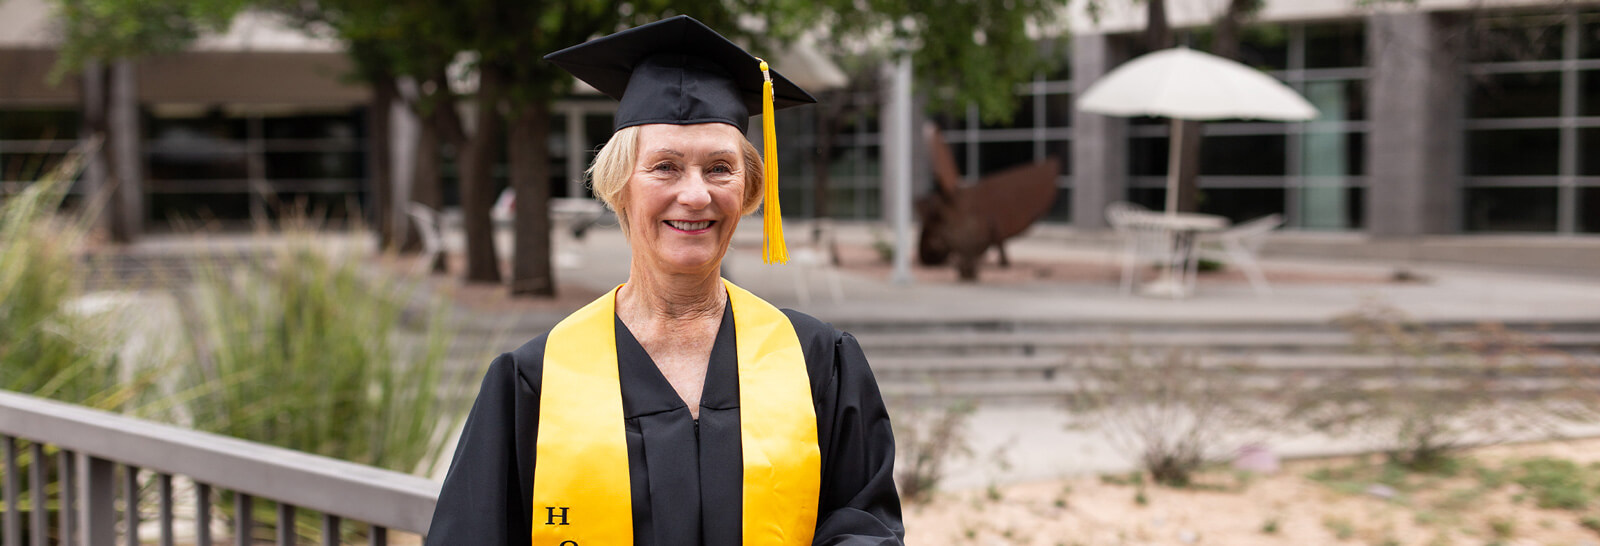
pixel 679 71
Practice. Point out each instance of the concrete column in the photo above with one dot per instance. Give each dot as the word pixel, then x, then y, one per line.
pixel 1414 141
pixel 897 169
pixel 405 128
pixel 127 160
pixel 1099 143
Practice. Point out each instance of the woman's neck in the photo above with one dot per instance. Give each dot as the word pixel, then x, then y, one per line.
pixel 663 298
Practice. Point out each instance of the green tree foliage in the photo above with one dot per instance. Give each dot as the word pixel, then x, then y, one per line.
pixel 963 52
pixel 124 29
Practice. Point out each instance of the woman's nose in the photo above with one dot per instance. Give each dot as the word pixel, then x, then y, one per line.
pixel 694 193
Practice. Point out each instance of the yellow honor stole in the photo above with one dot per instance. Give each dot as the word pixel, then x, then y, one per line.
pixel 581 493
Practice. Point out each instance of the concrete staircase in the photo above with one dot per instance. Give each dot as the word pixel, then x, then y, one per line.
pixel 1001 361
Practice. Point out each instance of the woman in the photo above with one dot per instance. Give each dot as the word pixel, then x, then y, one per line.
pixel 677 409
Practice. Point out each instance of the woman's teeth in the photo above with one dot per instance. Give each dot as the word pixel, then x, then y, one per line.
pixel 689 226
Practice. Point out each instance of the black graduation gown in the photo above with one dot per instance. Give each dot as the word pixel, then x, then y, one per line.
pixel 686 475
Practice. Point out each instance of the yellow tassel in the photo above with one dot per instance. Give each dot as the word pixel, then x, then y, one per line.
pixel 773 249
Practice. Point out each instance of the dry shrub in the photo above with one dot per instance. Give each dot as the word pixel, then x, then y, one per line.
pixel 927 439
pixel 1168 407
pixel 1440 391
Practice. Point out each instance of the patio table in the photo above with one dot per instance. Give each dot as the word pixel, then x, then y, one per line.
pixel 1182 228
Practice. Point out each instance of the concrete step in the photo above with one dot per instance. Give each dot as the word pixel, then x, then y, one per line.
pixel 1222 342
pixel 930 325
pixel 1002 368
pixel 1063 390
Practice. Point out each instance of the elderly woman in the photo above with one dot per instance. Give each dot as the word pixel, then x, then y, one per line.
pixel 678 409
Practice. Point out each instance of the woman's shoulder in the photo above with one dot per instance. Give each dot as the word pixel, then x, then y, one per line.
pixel 812 331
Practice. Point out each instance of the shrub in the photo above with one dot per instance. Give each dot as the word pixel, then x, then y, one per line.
pixel 1440 392
pixel 1166 406
pixel 310 351
pixel 49 345
pixel 927 439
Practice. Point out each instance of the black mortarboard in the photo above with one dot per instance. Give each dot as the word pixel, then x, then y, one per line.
pixel 676 71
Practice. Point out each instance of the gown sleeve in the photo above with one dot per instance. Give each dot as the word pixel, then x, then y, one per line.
pixel 481 502
pixel 858 504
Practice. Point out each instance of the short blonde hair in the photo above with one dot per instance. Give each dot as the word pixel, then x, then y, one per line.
pixel 614 165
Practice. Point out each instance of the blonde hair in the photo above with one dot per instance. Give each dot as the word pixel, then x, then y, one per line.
pixel 614 165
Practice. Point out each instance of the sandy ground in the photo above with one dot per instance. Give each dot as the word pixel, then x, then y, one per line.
pixel 1287 507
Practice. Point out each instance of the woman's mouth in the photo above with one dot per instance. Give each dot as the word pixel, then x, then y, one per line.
pixel 681 225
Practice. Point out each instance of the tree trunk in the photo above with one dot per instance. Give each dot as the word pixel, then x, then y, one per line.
pixel 476 164
pixel 1225 44
pixel 380 179
pixel 531 272
pixel 96 173
pixel 127 165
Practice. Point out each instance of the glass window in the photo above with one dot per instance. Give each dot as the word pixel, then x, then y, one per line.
pixel 27 167
pixel 1062 151
pixel 1337 100
pixel 597 131
pixel 1357 203
pixel 1589 93
pixel 1333 154
pixel 1516 95
pixel 1326 207
pixel 1336 45
pixel 997 156
pixel 1061 209
pixel 1058 110
pixel 1264 46
pixel 1512 152
pixel 1150 198
pixel 1241 204
pixel 1147 156
pixel 183 130
pixel 314 165
pixel 166 207
pixel 1517 38
pixel 39 125
pixel 1259 155
pixel 1589 44
pixel 214 161
pixel 1511 209
pixel 869 203
pixel 1589 151
pixel 314 127
pixel 1589 210
pixel 1356 154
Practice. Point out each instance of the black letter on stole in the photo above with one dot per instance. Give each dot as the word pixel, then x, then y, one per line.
pixel 552 515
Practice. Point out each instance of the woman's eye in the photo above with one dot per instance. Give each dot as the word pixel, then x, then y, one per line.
pixel 663 167
pixel 721 169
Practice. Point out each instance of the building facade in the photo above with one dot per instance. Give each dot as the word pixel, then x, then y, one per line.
pixel 1436 117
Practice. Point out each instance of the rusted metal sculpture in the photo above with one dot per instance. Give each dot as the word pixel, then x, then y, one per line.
pixel 966 220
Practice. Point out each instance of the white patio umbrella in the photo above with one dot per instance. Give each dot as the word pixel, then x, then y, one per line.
pixel 1184 84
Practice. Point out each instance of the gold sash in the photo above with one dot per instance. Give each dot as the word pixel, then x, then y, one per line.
pixel 581 493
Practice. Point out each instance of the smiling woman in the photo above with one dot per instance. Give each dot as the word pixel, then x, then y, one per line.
pixel 678 408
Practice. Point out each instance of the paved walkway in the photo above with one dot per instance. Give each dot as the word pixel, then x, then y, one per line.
pixel 1445 293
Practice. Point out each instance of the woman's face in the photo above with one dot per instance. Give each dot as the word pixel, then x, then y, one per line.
pixel 685 195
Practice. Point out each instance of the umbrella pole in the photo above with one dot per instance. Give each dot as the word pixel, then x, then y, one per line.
pixel 1174 153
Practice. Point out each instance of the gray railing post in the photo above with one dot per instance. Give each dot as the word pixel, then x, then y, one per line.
pixel 243 518
pixel 13 519
pixel 202 514
pixel 39 530
pixel 97 498
pixel 165 485
pixel 65 469
pixel 130 504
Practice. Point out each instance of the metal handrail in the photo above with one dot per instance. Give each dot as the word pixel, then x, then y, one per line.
pixel 381 498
